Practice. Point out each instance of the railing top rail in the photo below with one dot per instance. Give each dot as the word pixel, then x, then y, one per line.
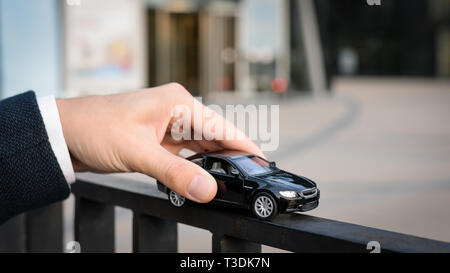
pixel 294 232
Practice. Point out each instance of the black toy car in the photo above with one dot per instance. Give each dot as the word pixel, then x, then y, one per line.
pixel 250 181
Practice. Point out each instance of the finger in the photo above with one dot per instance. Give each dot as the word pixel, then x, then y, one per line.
pixel 197 146
pixel 172 148
pixel 176 149
pixel 194 146
pixel 178 174
pixel 204 146
pixel 231 138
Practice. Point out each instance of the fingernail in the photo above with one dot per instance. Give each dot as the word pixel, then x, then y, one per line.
pixel 200 189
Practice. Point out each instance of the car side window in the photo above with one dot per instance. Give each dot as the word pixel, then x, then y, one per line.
pixel 218 165
pixel 198 161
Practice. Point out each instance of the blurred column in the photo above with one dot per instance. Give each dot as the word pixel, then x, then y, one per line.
pixel 283 41
pixel 313 47
pixel 206 84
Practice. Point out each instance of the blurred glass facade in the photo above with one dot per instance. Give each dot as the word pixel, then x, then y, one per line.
pixel 398 38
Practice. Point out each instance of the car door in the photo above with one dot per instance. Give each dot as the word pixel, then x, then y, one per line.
pixel 230 188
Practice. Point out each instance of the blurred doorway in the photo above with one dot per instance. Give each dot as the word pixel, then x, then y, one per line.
pixel 196 48
pixel 173 48
pixel 184 50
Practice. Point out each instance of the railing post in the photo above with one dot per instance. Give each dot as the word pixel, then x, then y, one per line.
pixel 13 235
pixel 94 226
pixel 227 244
pixel 154 235
pixel 44 229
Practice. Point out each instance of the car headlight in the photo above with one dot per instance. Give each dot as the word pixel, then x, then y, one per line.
pixel 288 194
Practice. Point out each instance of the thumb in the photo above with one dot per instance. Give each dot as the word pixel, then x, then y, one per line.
pixel 180 175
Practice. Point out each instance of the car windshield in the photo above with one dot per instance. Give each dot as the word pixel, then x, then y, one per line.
pixel 254 165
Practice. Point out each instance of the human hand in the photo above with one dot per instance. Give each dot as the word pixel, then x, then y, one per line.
pixel 131 132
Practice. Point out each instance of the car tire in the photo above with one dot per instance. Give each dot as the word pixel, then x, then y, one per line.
pixel 264 206
pixel 176 199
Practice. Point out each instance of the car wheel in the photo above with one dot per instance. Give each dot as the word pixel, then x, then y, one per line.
pixel 264 206
pixel 176 199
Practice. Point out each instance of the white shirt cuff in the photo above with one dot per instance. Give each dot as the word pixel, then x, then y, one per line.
pixel 50 115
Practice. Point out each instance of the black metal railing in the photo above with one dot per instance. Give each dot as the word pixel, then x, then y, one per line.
pixel 155 225
pixel 38 231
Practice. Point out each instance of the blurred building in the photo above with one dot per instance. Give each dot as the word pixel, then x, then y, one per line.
pixel 80 47
pixel 209 46
pixel 231 47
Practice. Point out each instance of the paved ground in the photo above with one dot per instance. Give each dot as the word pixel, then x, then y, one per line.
pixel 379 150
pixel 390 167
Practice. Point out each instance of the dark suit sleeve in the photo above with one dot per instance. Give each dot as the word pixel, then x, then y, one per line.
pixel 30 176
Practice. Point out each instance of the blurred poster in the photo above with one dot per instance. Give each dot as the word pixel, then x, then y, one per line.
pixel 104 47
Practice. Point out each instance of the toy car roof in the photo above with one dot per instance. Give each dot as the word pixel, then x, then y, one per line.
pixel 222 154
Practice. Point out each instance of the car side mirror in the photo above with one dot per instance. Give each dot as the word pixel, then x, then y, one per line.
pixel 235 172
pixel 272 164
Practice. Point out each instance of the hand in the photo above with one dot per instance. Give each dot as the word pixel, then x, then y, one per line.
pixel 131 132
